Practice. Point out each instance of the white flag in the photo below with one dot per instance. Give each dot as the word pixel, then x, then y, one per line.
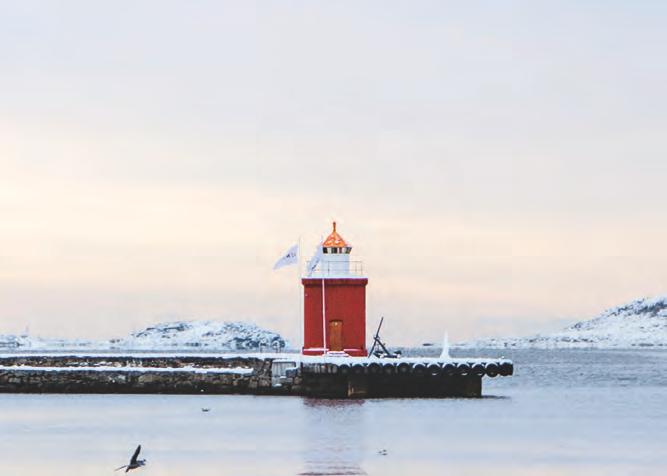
pixel 312 264
pixel 290 257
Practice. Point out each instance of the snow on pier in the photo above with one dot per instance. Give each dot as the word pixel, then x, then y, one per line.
pixel 286 374
pixel 109 368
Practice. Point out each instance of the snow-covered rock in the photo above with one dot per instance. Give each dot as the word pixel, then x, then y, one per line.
pixel 180 335
pixel 202 335
pixel 9 341
pixel 641 323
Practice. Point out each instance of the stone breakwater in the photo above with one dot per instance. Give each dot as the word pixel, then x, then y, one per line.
pixel 134 374
pixel 260 374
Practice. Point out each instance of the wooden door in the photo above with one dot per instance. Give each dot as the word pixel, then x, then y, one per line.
pixel 336 336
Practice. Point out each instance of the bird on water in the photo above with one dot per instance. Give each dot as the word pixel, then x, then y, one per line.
pixel 134 462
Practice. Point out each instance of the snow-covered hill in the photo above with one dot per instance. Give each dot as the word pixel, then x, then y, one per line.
pixel 203 335
pixel 9 342
pixel 180 335
pixel 641 323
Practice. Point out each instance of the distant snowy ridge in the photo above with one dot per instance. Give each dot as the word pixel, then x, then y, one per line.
pixel 183 335
pixel 202 334
pixel 640 323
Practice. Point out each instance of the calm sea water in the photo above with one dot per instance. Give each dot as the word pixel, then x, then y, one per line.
pixel 564 412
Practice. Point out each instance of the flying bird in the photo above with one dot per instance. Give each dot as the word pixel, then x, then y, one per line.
pixel 134 462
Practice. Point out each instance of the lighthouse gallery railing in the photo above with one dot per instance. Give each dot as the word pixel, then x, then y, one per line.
pixel 333 268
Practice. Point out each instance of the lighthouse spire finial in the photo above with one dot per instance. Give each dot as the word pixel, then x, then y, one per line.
pixel 334 240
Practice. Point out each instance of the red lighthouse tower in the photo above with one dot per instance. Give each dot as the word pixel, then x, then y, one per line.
pixel 334 297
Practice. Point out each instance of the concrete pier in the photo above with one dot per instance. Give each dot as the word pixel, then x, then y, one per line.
pixel 260 374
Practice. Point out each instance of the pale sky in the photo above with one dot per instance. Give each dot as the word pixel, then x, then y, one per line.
pixel 500 167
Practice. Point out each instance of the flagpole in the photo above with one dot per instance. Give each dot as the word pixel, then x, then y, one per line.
pixel 324 316
pixel 298 277
pixel 312 264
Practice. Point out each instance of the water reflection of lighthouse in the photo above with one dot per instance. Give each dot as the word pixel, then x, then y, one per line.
pixel 340 449
pixel 334 301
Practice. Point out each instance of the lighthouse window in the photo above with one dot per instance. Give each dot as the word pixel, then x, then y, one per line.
pixel 325 250
pixel 334 250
